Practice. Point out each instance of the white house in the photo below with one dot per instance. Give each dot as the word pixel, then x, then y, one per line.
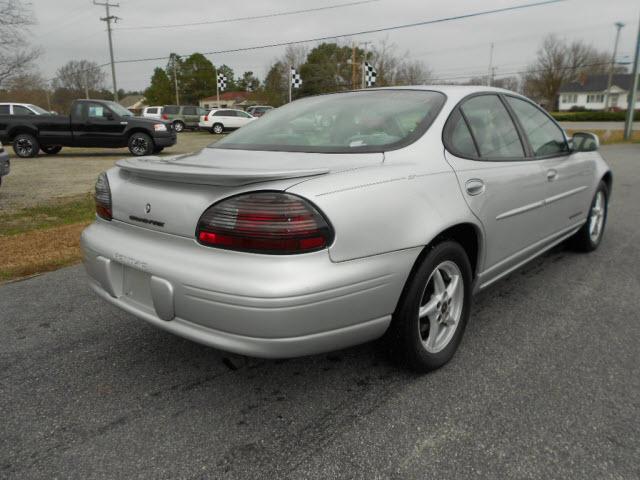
pixel 589 92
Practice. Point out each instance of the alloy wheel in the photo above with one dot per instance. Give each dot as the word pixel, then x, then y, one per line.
pixel 596 219
pixel 441 306
pixel 24 146
pixel 139 146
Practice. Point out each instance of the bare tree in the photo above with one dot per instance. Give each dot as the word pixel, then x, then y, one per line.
pixel 15 59
pixel 386 61
pixel 78 76
pixel 557 63
pixel 294 55
pixel 413 72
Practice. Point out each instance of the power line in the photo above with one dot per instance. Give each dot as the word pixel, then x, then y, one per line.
pixel 253 17
pixel 362 32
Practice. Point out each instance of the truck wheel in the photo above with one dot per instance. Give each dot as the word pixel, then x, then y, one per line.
pixel 178 126
pixel 51 149
pixel 218 128
pixel 140 144
pixel 26 145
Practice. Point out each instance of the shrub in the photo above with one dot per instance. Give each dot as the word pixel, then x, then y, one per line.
pixel 593 116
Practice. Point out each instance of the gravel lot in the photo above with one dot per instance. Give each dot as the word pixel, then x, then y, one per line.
pixel 73 171
pixel 546 384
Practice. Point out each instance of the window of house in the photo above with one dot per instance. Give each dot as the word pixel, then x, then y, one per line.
pixel 492 127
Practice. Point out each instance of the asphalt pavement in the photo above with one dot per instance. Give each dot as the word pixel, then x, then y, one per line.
pixel 545 385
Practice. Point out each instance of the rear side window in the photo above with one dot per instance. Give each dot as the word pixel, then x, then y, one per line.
pixel 20 110
pixel 4 110
pixel 171 110
pixel 494 131
pixel 221 113
pixel 545 137
pixel 458 137
pixel 189 111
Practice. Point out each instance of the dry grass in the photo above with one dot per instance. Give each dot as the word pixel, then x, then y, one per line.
pixel 39 251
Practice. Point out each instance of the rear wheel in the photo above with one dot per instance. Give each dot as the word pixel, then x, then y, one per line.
pixel 432 314
pixel 178 126
pixel 51 149
pixel 218 128
pixel 140 144
pixel 588 238
pixel 26 145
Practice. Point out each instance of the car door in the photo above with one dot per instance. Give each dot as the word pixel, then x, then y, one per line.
pixel 190 115
pixel 102 127
pixel 503 188
pixel 568 175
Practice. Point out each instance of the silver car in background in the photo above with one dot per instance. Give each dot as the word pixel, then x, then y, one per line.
pixel 342 218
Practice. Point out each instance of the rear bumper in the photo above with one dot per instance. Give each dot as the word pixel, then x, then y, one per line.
pixel 258 305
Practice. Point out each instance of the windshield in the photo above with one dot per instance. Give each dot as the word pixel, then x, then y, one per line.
pixel 363 121
pixel 119 109
pixel 38 110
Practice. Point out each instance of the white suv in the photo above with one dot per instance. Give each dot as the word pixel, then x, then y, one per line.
pixel 217 121
pixel 152 112
pixel 21 109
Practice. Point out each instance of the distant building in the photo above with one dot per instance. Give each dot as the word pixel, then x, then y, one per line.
pixel 589 92
pixel 238 99
pixel 134 103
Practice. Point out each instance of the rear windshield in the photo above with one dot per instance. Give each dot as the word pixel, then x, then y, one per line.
pixel 363 121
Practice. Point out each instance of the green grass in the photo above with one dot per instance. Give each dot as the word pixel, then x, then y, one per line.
pixel 78 209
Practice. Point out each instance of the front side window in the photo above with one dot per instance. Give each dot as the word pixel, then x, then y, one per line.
pixel 492 127
pixel 152 110
pixel 362 121
pixel 96 110
pixel 20 110
pixel 545 137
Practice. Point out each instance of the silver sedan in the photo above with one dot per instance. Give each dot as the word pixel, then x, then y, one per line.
pixel 342 218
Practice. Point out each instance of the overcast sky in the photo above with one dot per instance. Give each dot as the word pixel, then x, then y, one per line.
pixel 71 30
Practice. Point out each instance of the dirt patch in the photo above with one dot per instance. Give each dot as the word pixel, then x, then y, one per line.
pixel 36 181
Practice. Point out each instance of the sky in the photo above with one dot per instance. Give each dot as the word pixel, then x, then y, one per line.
pixel 72 30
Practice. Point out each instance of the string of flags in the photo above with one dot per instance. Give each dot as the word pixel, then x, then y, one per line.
pixel 296 79
pixel 369 74
pixel 222 82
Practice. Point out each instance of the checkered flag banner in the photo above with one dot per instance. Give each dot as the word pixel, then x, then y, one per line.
pixel 369 74
pixel 296 79
pixel 222 81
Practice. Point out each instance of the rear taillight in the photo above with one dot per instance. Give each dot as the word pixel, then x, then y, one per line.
pixel 103 197
pixel 264 222
pixel 165 116
pixel 206 118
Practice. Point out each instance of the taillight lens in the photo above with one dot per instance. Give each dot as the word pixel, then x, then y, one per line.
pixel 165 116
pixel 206 118
pixel 264 222
pixel 103 197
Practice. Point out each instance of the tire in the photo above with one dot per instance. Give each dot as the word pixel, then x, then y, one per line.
pixel 157 150
pixel 141 144
pixel 218 128
pixel 51 149
pixel 432 288
pixel 26 145
pixel 178 126
pixel 589 237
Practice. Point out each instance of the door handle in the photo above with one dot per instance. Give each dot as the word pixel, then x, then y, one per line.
pixel 552 175
pixel 474 186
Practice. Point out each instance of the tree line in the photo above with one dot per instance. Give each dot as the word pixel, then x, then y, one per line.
pixel 327 67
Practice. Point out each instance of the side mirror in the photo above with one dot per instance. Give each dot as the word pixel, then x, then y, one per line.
pixel 584 142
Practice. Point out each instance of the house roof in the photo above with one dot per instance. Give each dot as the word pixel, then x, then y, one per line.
pixel 235 96
pixel 597 83
pixel 130 100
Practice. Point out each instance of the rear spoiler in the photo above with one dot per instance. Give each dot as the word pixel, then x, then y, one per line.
pixel 168 170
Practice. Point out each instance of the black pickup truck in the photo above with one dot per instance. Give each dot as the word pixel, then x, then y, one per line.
pixel 92 123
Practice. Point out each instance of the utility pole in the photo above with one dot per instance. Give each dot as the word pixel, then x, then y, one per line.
pixel 633 94
pixel 109 18
pixel 218 89
pixel 490 73
pixel 354 76
pixel 290 80
pixel 175 79
pixel 619 26
pixel 364 69
pixel 86 84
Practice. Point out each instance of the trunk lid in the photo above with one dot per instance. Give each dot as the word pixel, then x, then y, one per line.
pixel 169 194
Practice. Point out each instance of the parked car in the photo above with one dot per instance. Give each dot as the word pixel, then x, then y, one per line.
pixel 152 112
pixel 184 116
pixel 92 123
pixel 4 163
pixel 259 110
pixel 22 109
pixel 338 219
pixel 218 121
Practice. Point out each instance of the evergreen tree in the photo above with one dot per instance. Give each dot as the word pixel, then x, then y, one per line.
pixel 161 91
